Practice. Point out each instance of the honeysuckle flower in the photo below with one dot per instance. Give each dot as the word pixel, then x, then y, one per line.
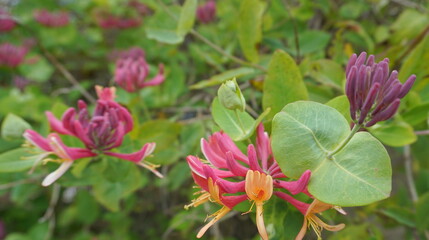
pixel 52 19
pixel 311 220
pixel 132 71
pixel 11 55
pixel 374 94
pixel 52 145
pixel 6 21
pixel 104 130
pixel 206 13
pixel 255 175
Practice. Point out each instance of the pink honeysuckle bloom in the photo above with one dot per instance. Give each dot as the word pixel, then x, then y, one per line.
pixel 52 145
pixel 11 55
pixel 256 174
pixel 104 130
pixel 6 21
pixel 132 71
pixel 207 13
pixel 52 19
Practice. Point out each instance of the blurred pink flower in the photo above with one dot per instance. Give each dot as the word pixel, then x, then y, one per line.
pixel 11 55
pixel 116 22
pixel 207 13
pixel 52 19
pixel 52 145
pixel 6 21
pixel 132 71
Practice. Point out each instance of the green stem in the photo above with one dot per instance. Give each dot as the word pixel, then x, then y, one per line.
pixel 344 143
pixel 146 111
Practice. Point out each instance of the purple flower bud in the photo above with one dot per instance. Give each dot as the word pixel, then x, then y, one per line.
pixel 407 86
pixel 385 114
pixel 207 12
pixel 374 95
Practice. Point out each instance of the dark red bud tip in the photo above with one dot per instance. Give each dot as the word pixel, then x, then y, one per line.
pixel 385 114
pixel 407 86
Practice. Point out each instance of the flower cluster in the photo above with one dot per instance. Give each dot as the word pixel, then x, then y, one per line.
pixel 229 177
pixel 52 19
pixel 100 133
pixel 6 21
pixel 11 55
pixel 132 71
pixel 374 94
pixel 207 13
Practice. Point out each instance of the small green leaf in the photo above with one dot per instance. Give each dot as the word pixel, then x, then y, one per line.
pixel 395 134
pixel 187 17
pixel 250 27
pixel 13 127
pixel 422 212
pixel 342 105
pixel 164 35
pixel 401 215
pixel 39 71
pixel 220 78
pixel 417 114
pixel 303 135
pixel 238 125
pixel 283 84
pixel 16 160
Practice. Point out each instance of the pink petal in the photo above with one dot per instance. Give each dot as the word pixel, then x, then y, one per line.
pixel 56 125
pixel 263 146
pixel 136 157
pixel 158 79
pixel 37 140
pixel 295 187
pixel 301 206
pixel 253 160
pixel 234 166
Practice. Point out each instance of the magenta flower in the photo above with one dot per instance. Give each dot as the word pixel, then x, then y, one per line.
pixel 52 145
pixel 104 130
pixel 256 176
pixel 207 13
pixel 6 21
pixel 374 94
pixel 52 19
pixel 132 71
pixel 11 55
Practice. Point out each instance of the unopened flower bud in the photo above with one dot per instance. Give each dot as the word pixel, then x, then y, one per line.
pixel 230 95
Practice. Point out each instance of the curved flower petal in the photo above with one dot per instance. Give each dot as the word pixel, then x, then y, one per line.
pixel 56 125
pixel 51 178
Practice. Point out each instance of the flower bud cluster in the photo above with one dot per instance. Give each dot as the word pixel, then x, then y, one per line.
pixel 52 19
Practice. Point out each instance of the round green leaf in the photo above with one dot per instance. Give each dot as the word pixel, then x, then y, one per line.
pixel 16 160
pixel 305 133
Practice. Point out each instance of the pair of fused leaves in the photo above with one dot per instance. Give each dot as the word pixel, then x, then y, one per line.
pixel 305 134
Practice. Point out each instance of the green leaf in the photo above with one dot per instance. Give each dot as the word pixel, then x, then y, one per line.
pixel 13 127
pixel 417 114
pixel 236 124
pixel 303 135
pixel 401 215
pixel 16 160
pixel 220 78
pixel 415 62
pixel 312 41
pixel 395 134
pixel 280 221
pixel 111 184
pixel 187 17
pixel 342 105
pixel 164 35
pixel 283 84
pixel 422 212
pixel 39 71
pixel 250 27
pixel 328 72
